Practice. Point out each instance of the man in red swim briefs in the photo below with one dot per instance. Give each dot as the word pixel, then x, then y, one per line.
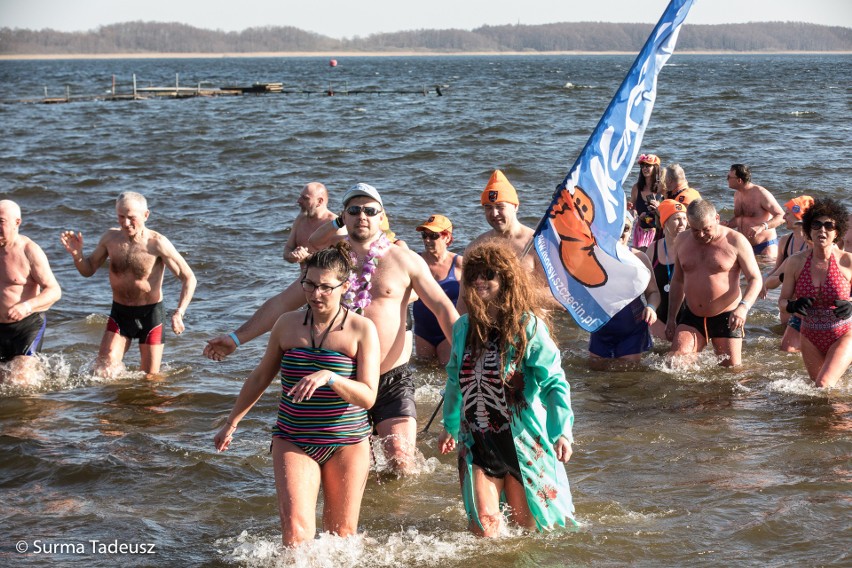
pixel 138 258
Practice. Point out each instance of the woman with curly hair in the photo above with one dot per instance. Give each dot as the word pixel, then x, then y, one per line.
pixel 507 400
pixel 328 357
pixel 816 287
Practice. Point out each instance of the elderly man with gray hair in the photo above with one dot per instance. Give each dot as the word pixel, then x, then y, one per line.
pixel 138 258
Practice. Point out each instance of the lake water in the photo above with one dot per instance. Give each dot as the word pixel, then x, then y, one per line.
pixel 688 467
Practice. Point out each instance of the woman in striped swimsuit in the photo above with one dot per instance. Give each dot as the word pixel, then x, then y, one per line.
pixel 817 287
pixel 328 359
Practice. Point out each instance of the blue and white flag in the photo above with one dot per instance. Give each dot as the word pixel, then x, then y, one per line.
pixel 589 271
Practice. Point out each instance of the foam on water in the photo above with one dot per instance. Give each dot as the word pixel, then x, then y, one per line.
pixel 408 547
pixel 54 372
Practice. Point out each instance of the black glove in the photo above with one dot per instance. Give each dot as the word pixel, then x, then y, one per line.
pixel 799 306
pixel 843 309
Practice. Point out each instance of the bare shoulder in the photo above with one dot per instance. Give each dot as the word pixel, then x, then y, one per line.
pixel 360 324
pixel 844 258
pixel 406 260
pixel 289 321
pixel 641 256
pixel 736 239
pixel 160 244
pixel 796 261
pixel 483 237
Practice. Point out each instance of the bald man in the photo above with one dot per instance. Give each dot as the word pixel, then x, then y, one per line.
pixel 29 289
pixel 313 202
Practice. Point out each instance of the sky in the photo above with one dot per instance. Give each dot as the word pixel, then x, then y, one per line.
pixel 350 18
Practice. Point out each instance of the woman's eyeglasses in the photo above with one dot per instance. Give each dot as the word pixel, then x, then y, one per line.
pixel 430 236
pixel 827 225
pixel 355 210
pixel 323 289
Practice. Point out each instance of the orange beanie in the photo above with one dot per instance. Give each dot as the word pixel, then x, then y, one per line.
pixel 499 190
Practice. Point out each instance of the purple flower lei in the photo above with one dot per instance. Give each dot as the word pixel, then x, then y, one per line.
pixel 358 296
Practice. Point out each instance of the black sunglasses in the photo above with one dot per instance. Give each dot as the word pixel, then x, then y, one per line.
pixel 827 225
pixel 355 210
pixel 488 274
pixel 430 236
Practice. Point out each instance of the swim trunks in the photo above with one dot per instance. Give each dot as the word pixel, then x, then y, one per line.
pixel 496 454
pixel 324 421
pixel 795 322
pixel 22 337
pixel 711 327
pixel 425 323
pixel 760 247
pixel 821 327
pixel 624 334
pixel 144 323
pixel 395 396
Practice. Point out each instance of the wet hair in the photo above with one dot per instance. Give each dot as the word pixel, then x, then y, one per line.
pixel 336 258
pixel 826 207
pixel 517 300
pixel 657 185
pixel 700 209
pixel 742 171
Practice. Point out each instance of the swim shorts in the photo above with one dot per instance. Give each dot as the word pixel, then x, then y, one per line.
pixel 495 453
pixel 22 337
pixel 795 322
pixel 625 334
pixel 395 395
pixel 144 323
pixel 711 327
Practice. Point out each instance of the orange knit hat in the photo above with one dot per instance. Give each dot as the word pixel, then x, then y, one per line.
pixel 499 190
pixel 669 207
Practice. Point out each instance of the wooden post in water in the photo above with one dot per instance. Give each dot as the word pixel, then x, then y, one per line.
pixel 177 83
pixel 134 86
pixel 45 91
pixel 67 93
pixel 113 85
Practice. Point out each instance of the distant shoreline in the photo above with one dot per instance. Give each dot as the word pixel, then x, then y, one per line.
pixel 342 54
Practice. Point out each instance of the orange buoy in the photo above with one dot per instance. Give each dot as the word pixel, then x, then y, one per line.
pixel 332 63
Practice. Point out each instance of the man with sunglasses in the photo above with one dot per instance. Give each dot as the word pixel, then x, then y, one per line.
pixel 313 203
pixel 384 279
pixel 756 212
pixel 708 261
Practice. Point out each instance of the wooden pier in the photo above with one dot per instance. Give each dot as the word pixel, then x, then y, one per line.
pixel 205 89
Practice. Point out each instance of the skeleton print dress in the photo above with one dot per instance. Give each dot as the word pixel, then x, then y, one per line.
pixel 509 427
pixel 486 412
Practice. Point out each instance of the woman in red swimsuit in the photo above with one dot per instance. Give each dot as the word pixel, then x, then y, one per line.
pixel 817 286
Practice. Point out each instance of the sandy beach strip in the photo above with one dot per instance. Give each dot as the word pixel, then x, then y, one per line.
pixel 342 54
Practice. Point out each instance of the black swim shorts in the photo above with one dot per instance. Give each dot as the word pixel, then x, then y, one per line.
pixel 395 395
pixel 711 327
pixel 144 323
pixel 22 337
pixel 495 453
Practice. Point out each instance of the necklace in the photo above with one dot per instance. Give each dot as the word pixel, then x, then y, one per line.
pixel 327 329
pixel 358 297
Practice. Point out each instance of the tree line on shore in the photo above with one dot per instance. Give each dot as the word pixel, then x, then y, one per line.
pixel 155 37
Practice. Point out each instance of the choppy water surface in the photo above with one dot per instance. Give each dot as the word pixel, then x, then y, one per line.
pixel 675 467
